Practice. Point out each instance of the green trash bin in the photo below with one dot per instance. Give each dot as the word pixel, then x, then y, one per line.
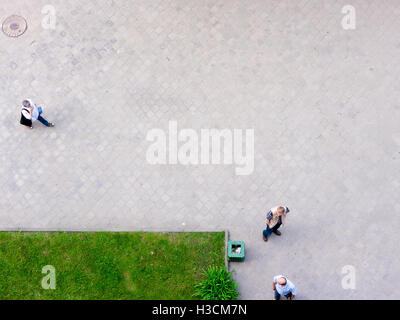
pixel 236 251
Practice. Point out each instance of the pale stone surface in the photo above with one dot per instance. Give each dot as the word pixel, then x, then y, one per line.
pixel 324 104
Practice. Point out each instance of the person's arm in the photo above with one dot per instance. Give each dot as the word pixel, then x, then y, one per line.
pixel 273 286
pixel 293 291
pixel 269 216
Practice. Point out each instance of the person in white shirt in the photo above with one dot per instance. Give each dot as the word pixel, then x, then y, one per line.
pixel 30 113
pixel 282 286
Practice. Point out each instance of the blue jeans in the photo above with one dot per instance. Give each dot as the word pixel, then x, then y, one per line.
pixel 278 296
pixel 267 232
pixel 41 119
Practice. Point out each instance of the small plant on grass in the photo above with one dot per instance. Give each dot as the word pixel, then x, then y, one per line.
pixel 218 285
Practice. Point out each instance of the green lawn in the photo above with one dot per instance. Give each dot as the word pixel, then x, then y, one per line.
pixel 104 265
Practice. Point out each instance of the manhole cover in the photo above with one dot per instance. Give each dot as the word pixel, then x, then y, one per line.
pixel 14 26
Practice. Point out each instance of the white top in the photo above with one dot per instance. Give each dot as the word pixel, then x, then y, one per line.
pixel 35 111
pixel 287 288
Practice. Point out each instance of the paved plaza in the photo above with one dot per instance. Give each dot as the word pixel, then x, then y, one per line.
pixel 324 103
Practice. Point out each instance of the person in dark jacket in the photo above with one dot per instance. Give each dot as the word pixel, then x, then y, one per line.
pixel 275 218
pixel 30 113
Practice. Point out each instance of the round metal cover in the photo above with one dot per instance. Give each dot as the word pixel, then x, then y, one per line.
pixel 14 26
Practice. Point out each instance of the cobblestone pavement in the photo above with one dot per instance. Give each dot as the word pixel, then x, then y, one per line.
pixel 323 102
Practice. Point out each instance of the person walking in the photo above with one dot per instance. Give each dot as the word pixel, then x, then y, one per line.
pixel 30 113
pixel 282 286
pixel 275 218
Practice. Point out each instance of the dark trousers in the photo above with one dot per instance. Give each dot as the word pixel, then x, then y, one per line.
pixel 278 296
pixel 267 232
pixel 44 121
